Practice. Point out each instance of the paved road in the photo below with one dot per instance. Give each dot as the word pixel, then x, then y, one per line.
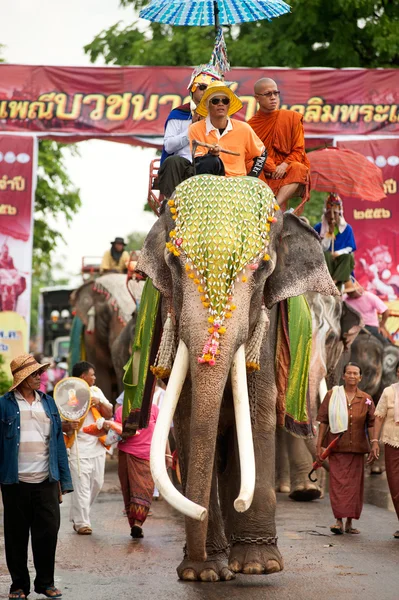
pixel 109 564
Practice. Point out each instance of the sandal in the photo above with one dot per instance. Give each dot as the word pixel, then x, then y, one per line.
pixel 337 530
pixel 85 530
pixel 51 588
pixel 17 594
pixel 351 530
pixel 136 532
pixel 396 534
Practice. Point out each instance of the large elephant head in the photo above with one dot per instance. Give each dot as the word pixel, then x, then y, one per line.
pixel 237 236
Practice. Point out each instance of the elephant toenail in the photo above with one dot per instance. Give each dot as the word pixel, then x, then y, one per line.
pixel 189 575
pixel 235 566
pixel 226 574
pixel 209 575
pixel 272 566
pixel 253 568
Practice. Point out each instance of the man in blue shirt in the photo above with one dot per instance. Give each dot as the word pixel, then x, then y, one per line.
pixel 337 240
pixel 34 472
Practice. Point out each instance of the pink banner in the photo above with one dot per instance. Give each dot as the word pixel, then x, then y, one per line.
pixel 376 227
pixel 17 186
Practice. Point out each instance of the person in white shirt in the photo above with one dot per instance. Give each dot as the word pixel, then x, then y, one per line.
pixel 176 160
pixel 91 452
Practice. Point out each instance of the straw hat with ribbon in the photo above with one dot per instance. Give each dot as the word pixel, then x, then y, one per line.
pixel 218 88
pixel 23 366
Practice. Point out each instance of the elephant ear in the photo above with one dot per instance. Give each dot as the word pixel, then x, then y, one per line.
pixel 151 261
pixel 351 324
pixel 300 264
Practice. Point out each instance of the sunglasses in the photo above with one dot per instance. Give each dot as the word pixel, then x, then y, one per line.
pixel 202 86
pixel 217 101
pixel 270 94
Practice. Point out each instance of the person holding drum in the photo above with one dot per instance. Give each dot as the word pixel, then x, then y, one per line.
pixel 87 454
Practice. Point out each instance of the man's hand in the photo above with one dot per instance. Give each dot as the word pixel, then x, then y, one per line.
pixel 70 426
pixel 383 331
pixel 280 171
pixel 215 150
pixel 196 117
pixel 95 402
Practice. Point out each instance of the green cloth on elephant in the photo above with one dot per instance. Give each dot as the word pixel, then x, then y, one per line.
pixel 293 350
pixel 77 351
pixel 340 267
pixel 138 380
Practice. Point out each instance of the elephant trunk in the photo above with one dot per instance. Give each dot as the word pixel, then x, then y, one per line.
pixel 160 436
pixel 244 432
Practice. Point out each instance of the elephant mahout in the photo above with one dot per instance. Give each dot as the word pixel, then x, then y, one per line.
pixel 222 256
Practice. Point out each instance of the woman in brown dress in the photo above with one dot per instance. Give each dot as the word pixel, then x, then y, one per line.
pixel 346 411
pixel 387 417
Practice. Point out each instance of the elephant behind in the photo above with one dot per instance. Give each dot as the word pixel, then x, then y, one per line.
pixel 335 326
pixel 225 420
pixel 105 307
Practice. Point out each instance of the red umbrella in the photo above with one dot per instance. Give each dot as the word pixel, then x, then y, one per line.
pixel 316 465
pixel 346 173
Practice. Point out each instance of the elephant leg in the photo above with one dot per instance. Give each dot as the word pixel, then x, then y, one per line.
pixel 215 566
pixel 302 489
pixel 253 533
pixel 283 483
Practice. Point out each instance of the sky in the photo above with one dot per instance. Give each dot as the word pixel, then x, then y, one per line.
pixel 112 178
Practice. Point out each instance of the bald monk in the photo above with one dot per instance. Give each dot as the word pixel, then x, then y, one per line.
pixel 286 170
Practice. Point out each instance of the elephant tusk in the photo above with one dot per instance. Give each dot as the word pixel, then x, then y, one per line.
pixel 244 431
pixel 160 436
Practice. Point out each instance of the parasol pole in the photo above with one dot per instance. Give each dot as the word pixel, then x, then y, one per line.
pixel 77 451
pixel 216 14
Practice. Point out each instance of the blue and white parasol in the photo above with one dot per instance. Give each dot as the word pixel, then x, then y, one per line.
pixel 212 12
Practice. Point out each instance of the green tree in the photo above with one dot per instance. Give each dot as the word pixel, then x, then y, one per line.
pixel 56 196
pixel 135 240
pixel 5 382
pixel 342 33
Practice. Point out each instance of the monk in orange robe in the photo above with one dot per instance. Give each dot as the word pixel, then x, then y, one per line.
pixel 286 170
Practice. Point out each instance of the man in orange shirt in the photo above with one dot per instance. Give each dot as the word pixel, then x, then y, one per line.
pixel 286 170
pixel 217 129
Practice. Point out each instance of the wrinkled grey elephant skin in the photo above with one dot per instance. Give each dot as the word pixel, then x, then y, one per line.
pixel 204 420
pixel 335 326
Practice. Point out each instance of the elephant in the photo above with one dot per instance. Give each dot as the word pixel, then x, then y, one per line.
pixel 335 326
pixel 224 419
pixel 105 306
pixel 378 364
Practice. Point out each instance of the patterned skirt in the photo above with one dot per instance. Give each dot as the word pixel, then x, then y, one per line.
pixel 137 486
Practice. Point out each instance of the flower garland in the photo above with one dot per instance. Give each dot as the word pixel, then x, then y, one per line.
pixel 222 232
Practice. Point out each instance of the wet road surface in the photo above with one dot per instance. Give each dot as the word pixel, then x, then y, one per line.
pixel 109 564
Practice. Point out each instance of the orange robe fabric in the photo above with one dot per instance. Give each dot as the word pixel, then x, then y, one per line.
pixel 282 133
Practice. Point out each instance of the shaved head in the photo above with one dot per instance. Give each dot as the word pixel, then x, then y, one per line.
pixel 264 82
pixel 267 94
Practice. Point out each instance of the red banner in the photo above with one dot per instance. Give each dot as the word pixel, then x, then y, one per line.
pixel 132 103
pixel 17 186
pixel 376 227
